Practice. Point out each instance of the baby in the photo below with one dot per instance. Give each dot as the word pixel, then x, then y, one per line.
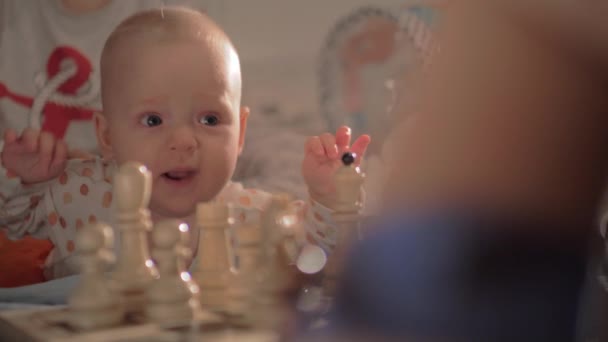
pixel 171 94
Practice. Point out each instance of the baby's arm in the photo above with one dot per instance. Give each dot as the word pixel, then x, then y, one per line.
pixel 319 226
pixel 57 209
pixel 62 204
pixel 32 160
pixel 321 162
pixel 323 158
pixel 26 211
pixel 249 204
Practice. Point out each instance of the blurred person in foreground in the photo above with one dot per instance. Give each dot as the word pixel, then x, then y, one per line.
pixel 496 185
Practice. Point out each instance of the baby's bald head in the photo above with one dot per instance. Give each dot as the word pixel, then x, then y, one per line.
pixel 165 26
pixel 171 93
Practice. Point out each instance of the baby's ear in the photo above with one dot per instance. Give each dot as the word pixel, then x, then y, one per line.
pixel 244 115
pixel 103 135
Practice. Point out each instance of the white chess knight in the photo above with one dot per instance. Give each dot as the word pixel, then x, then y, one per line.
pixel 134 270
pixel 92 304
pixel 172 300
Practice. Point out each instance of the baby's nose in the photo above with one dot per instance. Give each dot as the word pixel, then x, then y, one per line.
pixel 182 139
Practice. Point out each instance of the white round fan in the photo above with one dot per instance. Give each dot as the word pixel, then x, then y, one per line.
pixel 364 53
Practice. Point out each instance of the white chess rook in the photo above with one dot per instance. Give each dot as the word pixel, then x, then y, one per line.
pixel 172 300
pixel 134 269
pixel 92 305
pixel 348 181
pixel 213 272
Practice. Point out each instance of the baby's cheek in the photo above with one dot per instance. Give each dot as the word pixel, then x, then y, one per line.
pixel 227 150
pixel 220 162
pixel 217 167
pixel 140 152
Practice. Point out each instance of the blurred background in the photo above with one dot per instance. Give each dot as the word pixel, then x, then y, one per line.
pixel 298 56
pixel 310 67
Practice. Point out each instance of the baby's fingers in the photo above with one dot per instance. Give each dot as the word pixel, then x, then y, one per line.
pixel 30 139
pixel 10 136
pixel 314 146
pixel 46 148
pixel 343 135
pixel 329 145
pixel 60 154
pixel 360 146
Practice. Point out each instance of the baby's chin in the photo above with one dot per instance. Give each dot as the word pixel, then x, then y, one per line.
pixel 176 207
pixel 175 210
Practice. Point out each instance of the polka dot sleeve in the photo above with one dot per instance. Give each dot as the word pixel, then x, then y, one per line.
pixel 56 209
pixel 25 211
pixel 318 225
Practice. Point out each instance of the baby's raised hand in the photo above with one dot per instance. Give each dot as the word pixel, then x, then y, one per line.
pixel 34 156
pixel 323 158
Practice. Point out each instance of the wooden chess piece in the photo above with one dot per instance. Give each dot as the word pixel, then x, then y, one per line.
pixel 245 280
pixel 134 269
pixel 172 300
pixel 277 279
pixel 275 248
pixel 213 271
pixel 92 304
pixel 347 205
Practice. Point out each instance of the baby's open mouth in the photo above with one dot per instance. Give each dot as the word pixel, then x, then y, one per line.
pixel 178 175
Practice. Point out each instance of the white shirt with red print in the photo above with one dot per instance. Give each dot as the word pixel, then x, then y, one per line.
pixel 49 65
pixel 57 209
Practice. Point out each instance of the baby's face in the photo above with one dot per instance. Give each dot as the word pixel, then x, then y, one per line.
pixel 175 107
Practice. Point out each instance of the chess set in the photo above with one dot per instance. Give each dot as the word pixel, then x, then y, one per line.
pixel 141 290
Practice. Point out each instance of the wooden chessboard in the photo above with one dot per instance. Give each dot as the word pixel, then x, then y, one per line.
pixel 49 325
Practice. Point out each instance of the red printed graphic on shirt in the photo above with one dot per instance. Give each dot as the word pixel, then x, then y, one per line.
pixel 58 114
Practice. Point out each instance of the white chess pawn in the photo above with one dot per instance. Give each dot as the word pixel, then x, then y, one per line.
pixel 172 300
pixel 92 305
pixel 276 277
pixel 274 251
pixel 245 280
pixel 134 269
pixel 347 204
pixel 213 271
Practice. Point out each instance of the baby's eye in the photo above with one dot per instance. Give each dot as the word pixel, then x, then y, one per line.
pixel 209 119
pixel 151 120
